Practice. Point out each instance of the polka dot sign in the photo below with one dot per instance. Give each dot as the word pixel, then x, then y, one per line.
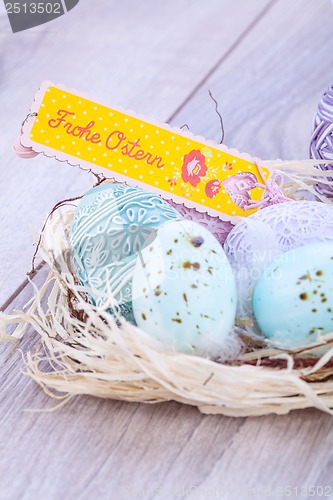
pixel 197 173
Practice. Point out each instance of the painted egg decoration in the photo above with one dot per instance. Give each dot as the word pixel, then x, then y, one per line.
pixel 260 238
pixel 184 291
pixel 111 223
pixel 293 299
pixel 219 228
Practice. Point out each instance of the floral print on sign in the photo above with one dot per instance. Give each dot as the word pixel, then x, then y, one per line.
pixel 194 167
pixel 212 188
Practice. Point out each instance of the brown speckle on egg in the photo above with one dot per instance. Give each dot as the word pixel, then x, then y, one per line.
pixel 303 296
pixel 144 317
pixel 176 320
pixel 206 316
pixel 197 241
pixel 191 265
pixel 306 277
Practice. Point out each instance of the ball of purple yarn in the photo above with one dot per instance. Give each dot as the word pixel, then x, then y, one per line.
pixel 321 145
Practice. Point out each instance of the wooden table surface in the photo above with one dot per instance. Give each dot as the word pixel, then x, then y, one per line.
pixel 267 62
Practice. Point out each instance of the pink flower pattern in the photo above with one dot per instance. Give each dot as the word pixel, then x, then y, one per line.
pixel 194 167
pixel 212 188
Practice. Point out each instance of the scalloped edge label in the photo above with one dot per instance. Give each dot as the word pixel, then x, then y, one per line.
pixel 131 148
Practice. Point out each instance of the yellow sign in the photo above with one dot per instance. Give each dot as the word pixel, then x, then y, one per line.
pixel 128 148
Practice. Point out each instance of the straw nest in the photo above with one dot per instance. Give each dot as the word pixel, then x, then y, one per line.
pixel 83 350
pixel 86 350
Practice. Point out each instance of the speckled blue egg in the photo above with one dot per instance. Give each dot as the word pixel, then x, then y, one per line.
pixel 293 299
pixel 256 241
pixel 184 291
pixel 111 223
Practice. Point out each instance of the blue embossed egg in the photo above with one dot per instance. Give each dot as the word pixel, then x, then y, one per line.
pixel 111 223
pixel 293 299
pixel 184 291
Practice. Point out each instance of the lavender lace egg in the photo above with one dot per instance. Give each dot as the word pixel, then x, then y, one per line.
pixel 110 226
pixel 219 228
pixel 259 239
pixel 321 145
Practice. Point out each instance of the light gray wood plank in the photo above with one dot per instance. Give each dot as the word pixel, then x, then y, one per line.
pixel 269 87
pixel 94 448
pixel 276 452
pixel 143 57
pixel 106 449
pixel 268 93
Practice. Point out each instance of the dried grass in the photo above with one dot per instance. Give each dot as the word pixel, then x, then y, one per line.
pixel 84 350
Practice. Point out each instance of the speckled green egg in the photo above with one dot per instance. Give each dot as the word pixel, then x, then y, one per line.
pixel 110 226
pixel 293 299
pixel 184 291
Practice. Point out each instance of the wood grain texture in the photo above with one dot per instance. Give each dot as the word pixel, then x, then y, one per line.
pixel 268 88
pixel 276 60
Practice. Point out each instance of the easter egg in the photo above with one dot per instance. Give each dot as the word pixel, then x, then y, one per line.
pixel 293 299
pixel 111 223
pixel 219 228
pixel 184 291
pixel 260 238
